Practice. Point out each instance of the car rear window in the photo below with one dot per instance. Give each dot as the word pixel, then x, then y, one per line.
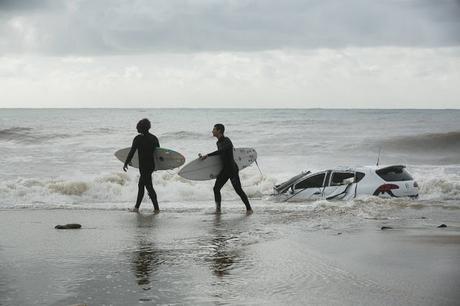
pixel 393 174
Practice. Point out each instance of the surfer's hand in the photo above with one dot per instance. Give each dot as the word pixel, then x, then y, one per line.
pixel 202 157
pixel 125 168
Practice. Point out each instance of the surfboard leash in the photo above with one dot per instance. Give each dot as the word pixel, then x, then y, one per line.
pixel 257 164
pixel 262 176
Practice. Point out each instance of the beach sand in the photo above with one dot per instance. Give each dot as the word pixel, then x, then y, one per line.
pixel 196 257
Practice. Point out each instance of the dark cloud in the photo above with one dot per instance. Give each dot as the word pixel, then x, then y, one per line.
pixel 140 26
pixel 27 5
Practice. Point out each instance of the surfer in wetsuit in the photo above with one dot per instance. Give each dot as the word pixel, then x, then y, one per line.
pixel 145 144
pixel 230 169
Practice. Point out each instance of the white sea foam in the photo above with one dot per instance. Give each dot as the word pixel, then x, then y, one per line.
pixel 112 189
pixel 437 183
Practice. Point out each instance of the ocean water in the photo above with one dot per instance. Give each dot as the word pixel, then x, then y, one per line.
pixel 57 166
pixel 63 158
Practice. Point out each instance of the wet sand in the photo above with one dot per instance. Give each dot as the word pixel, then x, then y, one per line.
pixel 195 257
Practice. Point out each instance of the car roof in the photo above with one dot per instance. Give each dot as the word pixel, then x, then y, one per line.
pixel 361 168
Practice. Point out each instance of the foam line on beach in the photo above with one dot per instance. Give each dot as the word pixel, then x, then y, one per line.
pixel 435 185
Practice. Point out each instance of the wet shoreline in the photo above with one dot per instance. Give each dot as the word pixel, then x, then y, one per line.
pixel 196 257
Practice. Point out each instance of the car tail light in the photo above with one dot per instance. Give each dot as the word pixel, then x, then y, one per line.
pixel 415 185
pixel 386 188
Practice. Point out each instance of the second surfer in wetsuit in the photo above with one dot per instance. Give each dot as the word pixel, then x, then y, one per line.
pixel 145 144
pixel 230 169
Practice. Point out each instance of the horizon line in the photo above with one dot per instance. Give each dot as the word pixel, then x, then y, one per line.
pixel 240 108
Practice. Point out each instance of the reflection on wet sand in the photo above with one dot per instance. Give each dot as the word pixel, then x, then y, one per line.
pixel 223 257
pixel 145 259
pixel 5 291
pixel 147 256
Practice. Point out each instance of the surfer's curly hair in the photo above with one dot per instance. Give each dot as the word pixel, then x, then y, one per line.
pixel 220 127
pixel 143 126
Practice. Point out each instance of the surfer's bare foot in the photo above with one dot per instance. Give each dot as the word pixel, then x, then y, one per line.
pixel 134 210
pixel 156 211
pixel 249 211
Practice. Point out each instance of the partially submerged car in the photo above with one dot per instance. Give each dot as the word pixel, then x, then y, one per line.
pixel 348 183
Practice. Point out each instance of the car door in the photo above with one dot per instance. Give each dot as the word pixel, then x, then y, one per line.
pixel 338 185
pixel 309 188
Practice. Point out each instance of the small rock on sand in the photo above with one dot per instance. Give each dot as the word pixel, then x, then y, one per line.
pixel 68 226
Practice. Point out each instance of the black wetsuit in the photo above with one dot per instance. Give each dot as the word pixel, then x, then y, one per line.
pixel 230 171
pixel 145 144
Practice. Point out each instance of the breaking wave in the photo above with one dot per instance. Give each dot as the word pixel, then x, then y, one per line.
pixel 441 188
pixel 69 188
pixel 96 131
pixel 16 133
pixel 120 189
pixel 432 143
pixel 27 135
pixel 183 135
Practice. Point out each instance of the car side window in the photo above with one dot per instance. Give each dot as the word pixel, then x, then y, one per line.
pixel 359 176
pixel 311 182
pixel 339 177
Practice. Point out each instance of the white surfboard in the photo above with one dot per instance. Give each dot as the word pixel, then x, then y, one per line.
pixel 208 169
pixel 165 159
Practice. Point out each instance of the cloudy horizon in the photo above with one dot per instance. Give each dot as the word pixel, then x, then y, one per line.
pixel 297 54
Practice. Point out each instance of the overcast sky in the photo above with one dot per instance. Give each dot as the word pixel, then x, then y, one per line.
pixel 203 53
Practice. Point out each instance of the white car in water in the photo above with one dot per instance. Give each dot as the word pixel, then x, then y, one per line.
pixel 348 183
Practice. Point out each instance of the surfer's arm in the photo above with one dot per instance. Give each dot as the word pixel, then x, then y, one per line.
pixel 225 146
pixel 203 157
pixel 130 154
pixel 218 152
pixel 156 143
